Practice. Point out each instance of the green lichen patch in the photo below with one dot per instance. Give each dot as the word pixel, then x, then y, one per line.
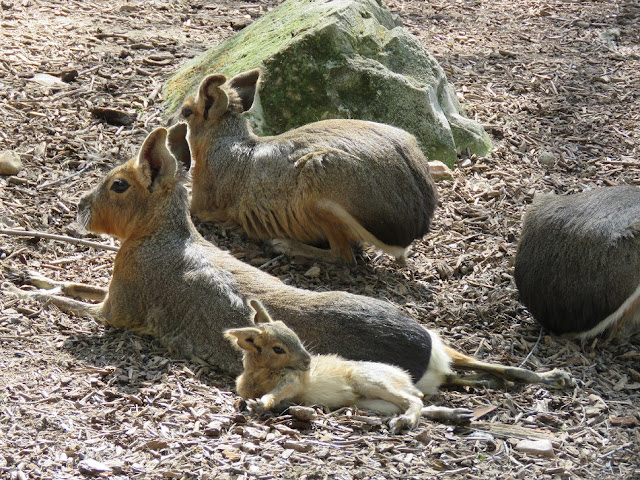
pixel 340 59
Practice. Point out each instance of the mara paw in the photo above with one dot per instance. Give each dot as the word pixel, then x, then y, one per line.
pixel 281 246
pixel 402 422
pixel 457 416
pixel 558 379
pixel 255 405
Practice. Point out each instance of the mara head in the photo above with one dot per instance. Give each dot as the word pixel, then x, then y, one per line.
pixel 269 344
pixel 217 96
pixel 126 199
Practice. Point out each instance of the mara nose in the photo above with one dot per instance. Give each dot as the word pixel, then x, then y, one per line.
pixel 307 363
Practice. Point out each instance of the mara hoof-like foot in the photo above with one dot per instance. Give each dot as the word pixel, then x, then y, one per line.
pixel 557 379
pixel 402 422
pixel 292 248
pixel 255 405
pixel 457 416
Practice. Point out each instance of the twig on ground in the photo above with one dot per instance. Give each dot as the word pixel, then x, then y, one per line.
pixel 533 349
pixel 59 238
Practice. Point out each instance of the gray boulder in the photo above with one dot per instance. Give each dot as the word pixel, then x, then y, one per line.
pixel 339 59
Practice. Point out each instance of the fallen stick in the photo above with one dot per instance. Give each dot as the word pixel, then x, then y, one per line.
pixel 60 238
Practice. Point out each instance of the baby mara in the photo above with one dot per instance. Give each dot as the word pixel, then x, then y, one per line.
pixel 171 283
pixel 277 368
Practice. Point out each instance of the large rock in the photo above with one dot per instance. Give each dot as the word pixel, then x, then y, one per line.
pixel 339 59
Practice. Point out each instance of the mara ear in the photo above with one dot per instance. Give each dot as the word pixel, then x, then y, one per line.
pixel 244 338
pixel 213 99
pixel 261 315
pixel 155 162
pixel 245 85
pixel 178 145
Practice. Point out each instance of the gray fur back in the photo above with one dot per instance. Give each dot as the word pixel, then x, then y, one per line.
pixel 579 257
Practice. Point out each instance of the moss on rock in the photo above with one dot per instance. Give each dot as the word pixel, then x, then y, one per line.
pixel 339 59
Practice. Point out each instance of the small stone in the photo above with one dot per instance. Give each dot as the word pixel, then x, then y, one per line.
pixel 250 448
pixel 89 466
pixel 49 81
pixel 112 116
pixel 542 448
pixel 444 270
pixel 213 429
pixel 306 414
pixel 549 419
pixel 439 171
pixel 547 158
pixel 466 163
pixel 313 272
pixel 10 163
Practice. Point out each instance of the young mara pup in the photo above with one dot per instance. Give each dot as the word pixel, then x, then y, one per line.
pixel 278 368
pixel 171 283
pixel 335 182
pixel 578 263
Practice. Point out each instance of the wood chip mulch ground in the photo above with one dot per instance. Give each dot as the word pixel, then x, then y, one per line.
pixel 555 83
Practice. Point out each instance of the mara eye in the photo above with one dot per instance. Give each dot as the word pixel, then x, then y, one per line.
pixel 120 185
pixel 186 112
pixel 279 350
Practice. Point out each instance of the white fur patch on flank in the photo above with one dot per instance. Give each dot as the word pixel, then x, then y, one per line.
pixel 439 367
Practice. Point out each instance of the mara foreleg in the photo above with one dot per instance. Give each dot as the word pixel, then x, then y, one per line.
pixel 80 291
pixel 51 291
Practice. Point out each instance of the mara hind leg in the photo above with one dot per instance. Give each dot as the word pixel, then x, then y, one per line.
pixel 76 290
pixel 338 233
pixel 554 379
pixel 447 414
pixel 389 391
pixel 377 393
pixel 628 322
pixel 342 231
pixel 293 248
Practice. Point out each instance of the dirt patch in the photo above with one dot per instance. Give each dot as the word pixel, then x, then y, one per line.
pixel 544 77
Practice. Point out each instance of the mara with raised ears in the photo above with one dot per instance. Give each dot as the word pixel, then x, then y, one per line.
pixel 171 283
pixel 334 183
pixel 278 368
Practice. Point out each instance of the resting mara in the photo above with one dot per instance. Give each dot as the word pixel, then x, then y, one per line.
pixel 578 262
pixel 334 182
